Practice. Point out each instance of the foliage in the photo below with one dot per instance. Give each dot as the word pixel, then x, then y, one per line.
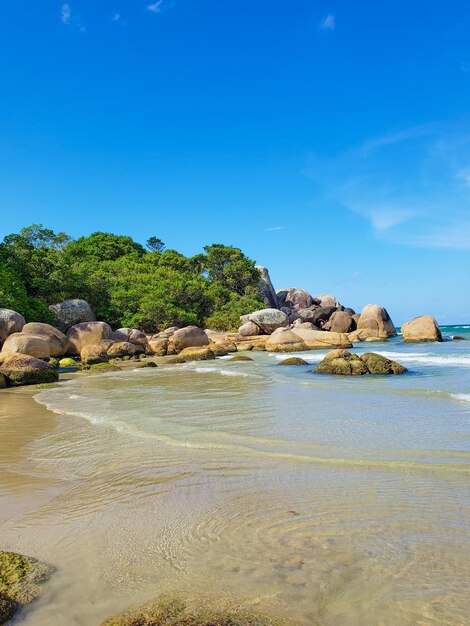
pixel 126 284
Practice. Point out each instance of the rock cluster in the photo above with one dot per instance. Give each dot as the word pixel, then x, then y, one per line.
pixel 345 363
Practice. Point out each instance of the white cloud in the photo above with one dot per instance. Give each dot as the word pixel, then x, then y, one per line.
pixel 412 186
pixel 116 17
pixel 66 13
pixel 155 7
pixel 71 19
pixel 271 228
pixel 328 22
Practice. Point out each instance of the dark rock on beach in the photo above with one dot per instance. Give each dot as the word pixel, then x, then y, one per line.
pixel 20 369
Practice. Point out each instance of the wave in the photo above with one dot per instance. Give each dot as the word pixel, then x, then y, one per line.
pixel 428 358
pixel 463 397
pixel 223 372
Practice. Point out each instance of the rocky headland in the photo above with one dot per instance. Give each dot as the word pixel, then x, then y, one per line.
pixel 292 321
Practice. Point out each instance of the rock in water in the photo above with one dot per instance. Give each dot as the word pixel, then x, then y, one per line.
pixel 20 369
pixel 197 354
pixel 269 319
pixel 70 312
pixel 293 360
pixel 193 611
pixel 266 288
pixel 376 321
pixel 10 322
pixel 345 363
pixel 422 328
pixel 21 581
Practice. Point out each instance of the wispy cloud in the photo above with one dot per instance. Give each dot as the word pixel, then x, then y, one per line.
pixel 412 186
pixel 116 17
pixel 156 7
pixel 328 22
pixel 65 13
pixel 272 228
pixel 69 18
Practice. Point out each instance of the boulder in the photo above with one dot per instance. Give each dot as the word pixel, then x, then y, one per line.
pixel 340 322
pixel 95 353
pixel 297 299
pixel 197 354
pixel 321 339
pixel 380 365
pixel 240 358
pixel 365 335
pixel 269 319
pixel 306 315
pixel 284 340
pixel 131 335
pixel 21 369
pixel 293 360
pixel 249 329
pixel 268 295
pixel 120 349
pixel 327 300
pixel 3 381
pixel 422 328
pixel 158 345
pixel 68 362
pixel 87 334
pixel 32 345
pixel 168 332
pixel 179 610
pixel 56 339
pixel 21 581
pixel 376 320
pixel 188 337
pixel 299 324
pixel 344 363
pixel 10 322
pixel 349 311
pixel 68 313
pixel 321 315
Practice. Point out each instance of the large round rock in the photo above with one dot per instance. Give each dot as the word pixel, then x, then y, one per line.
pixel 70 312
pixel 298 299
pixel 269 319
pixel 86 334
pixel 10 322
pixel 56 340
pixel 421 328
pixel 31 345
pixel 189 337
pixel 340 322
pixel 249 329
pixel 376 320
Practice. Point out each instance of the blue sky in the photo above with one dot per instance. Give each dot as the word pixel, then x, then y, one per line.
pixel 329 140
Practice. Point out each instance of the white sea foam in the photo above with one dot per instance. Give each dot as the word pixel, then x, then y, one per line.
pixel 74 396
pixel 463 397
pixel 223 372
pixel 428 358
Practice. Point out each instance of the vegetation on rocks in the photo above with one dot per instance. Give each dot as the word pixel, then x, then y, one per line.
pixel 21 581
pixel 294 360
pixel 174 611
pixel 345 363
pixel 126 284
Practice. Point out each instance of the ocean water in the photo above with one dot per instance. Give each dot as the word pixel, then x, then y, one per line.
pixel 326 499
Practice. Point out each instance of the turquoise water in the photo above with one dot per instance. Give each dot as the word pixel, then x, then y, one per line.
pixel 331 500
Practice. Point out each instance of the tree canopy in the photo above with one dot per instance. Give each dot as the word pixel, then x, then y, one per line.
pixel 125 283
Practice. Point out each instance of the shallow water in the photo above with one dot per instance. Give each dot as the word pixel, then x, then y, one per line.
pixel 331 500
